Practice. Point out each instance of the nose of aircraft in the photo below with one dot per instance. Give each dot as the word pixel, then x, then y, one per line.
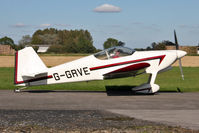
pixel 181 53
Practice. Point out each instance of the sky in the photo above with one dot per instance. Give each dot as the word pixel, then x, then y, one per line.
pixel 138 23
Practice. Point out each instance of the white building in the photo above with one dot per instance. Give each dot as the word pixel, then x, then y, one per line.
pixel 42 48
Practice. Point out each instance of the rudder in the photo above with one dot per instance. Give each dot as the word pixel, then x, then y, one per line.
pixel 27 64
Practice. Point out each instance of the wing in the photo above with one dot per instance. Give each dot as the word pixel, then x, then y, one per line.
pixel 127 71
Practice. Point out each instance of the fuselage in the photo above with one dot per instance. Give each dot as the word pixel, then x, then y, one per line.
pixel 91 68
pixel 111 63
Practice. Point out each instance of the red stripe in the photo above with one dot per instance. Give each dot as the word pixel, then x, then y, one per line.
pixel 26 81
pixel 16 67
pixel 133 67
pixel 161 57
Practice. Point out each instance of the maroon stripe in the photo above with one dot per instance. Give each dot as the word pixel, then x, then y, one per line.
pixel 133 67
pixel 16 67
pixel 161 57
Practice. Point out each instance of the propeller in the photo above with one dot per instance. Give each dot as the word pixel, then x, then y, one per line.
pixel 176 40
pixel 177 48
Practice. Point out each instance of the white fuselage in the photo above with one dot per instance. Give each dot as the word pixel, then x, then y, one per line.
pixel 111 63
pixel 84 69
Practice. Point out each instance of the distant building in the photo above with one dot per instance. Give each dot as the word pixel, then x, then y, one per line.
pixel 42 48
pixel 198 50
pixel 6 50
pixel 188 49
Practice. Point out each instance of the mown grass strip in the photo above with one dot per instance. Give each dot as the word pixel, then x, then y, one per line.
pixel 168 81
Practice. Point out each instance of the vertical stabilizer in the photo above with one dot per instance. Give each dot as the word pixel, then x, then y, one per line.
pixel 27 64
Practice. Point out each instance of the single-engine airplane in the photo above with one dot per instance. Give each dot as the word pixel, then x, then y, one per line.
pixel 115 62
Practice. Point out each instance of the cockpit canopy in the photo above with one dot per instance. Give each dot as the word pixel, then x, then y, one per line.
pixel 114 52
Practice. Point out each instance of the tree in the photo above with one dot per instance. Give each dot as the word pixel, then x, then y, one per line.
pixel 120 43
pixel 55 49
pixel 35 37
pixel 6 41
pixel 148 48
pixel 168 43
pixel 158 46
pixel 153 45
pixel 26 40
pixel 111 42
pixel 71 41
pixel 50 39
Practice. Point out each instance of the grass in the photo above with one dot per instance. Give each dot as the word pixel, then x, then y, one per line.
pixel 172 79
pixel 168 81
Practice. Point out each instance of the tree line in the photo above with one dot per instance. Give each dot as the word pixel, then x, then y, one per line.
pixel 62 41
pixel 157 46
pixel 71 41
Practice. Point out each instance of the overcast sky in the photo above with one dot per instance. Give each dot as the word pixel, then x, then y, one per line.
pixel 138 23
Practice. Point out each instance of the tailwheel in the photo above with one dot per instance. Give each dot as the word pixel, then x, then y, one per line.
pixel 17 90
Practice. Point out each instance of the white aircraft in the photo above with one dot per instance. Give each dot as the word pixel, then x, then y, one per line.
pixel 115 62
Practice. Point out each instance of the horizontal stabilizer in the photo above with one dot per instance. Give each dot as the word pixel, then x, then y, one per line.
pixel 35 74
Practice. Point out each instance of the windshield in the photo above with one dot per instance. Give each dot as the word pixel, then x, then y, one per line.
pixel 114 52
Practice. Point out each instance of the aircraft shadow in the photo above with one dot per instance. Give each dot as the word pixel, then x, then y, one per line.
pixel 110 91
pixel 123 91
pixel 127 91
pixel 64 91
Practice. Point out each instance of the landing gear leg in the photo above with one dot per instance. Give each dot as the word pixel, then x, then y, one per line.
pixel 151 81
pixel 19 89
pixel 148 88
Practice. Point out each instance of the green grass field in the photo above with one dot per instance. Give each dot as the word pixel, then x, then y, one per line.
pixel 168 81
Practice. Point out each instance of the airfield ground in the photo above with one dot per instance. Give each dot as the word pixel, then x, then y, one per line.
pixel 53 111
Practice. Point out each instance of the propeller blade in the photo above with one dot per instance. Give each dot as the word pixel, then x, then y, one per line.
pixel 177 48
pixel 176 40
pixel 180 65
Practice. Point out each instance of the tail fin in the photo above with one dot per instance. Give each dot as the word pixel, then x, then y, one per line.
pixel 27 65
